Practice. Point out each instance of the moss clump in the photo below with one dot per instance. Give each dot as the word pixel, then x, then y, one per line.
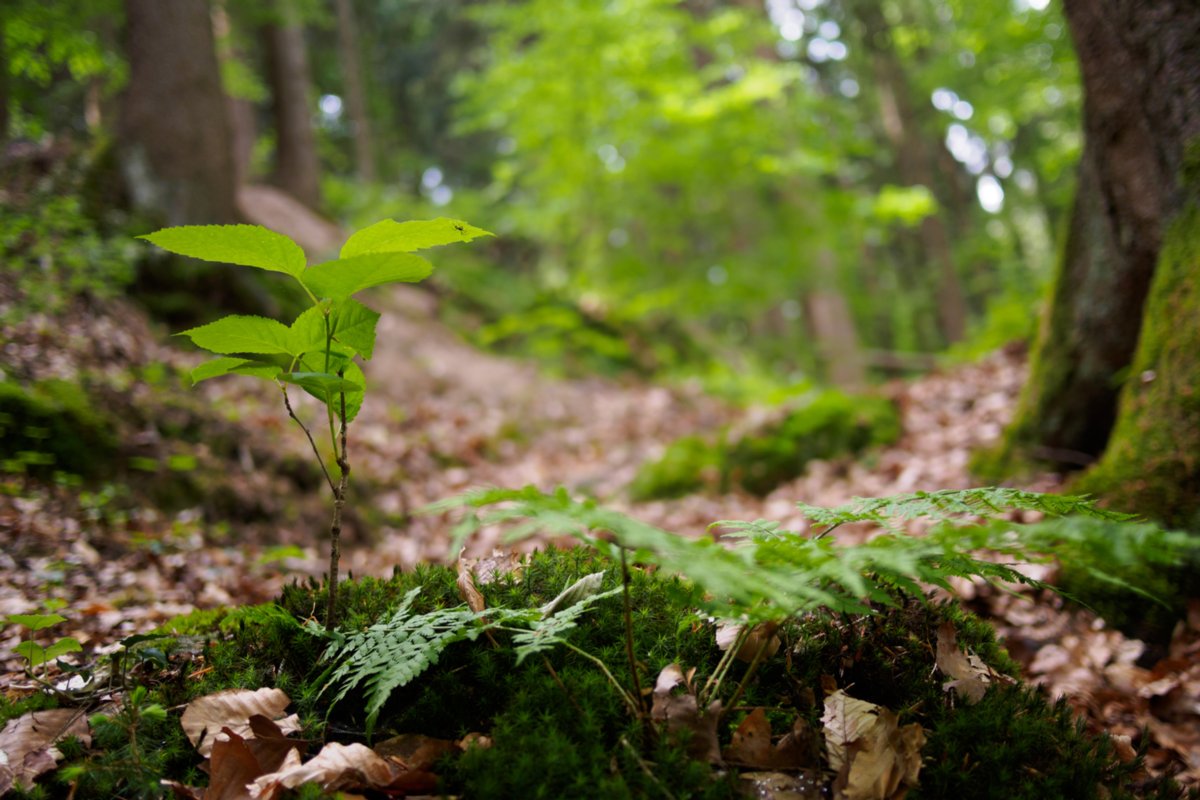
pixel 829 426
pixel 52 425
pixel 1152 464
pixel 576 738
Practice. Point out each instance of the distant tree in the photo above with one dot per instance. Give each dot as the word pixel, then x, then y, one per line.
pixel 173 133
pixel 356 96
pixel 297 168
pixel 1140 65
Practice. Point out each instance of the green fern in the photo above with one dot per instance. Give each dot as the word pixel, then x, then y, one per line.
pixel 771 572
pixel 391 654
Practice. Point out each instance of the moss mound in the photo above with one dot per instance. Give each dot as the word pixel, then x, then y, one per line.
pixel 559 727
pixel 52 426
pixel 830 426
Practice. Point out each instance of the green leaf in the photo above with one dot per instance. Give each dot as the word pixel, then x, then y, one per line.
pixel 236 366
pixel 341 359
pixel 342 278
pixel 35 622
pixel 389 236
pixel 246 245
pixel 307 333
pixel 65 645
pixel 321 384
pixel 354 326
pixel 354 399
pixel 32 652
pixel 242 334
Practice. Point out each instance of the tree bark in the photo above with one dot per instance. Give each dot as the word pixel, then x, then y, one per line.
pixel 834 330
pixel 297 169
pixel 5 90
pixel 1140 64
pixel 915 162
pixel 173 133
pixel 356 96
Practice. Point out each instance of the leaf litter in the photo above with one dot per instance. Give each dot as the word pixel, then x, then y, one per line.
pixel 460 418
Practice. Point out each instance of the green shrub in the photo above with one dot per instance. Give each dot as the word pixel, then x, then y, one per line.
pixel 52 426
pixel 830 426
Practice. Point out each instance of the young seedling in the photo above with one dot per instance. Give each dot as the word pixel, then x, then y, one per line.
pixel 34 654
pixel 317 351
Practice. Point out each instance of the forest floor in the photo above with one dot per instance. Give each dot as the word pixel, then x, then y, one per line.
pixel 441 417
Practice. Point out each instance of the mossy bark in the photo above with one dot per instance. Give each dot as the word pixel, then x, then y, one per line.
pixel 1152 464
pixel 1140 64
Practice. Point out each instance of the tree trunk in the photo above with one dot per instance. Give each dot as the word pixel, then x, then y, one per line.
pixel 833 328
pixel 173 133
pixel 297 170
pixel 5 91
pixel 1140 64
pixel 915 162
pixel 356 96
pixel 1152 464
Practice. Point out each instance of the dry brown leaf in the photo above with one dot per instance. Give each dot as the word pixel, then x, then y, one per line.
pixel 875 758
pixel 416 751
pixel 232 768
pixel 467 588
pixel 681 712
pixel 27 744
pixel 337 766
pixel 204 717
pixel 751 743
pixel 760 635
pixel 970 676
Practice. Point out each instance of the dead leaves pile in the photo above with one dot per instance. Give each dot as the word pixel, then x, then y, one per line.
pixel 252 756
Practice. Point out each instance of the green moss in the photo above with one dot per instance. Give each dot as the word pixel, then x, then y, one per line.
pixel 830 426
pixel 1152 464
pixel 53 425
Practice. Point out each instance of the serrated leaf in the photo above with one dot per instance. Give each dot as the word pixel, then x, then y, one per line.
pixel 233 366
pixel 245 245
pixel 320 384
pixel 354 326
pixel 340 360
pixel 341 278
pixel 389 236
pixel 242 334
pixel 307 333
pixel 35 622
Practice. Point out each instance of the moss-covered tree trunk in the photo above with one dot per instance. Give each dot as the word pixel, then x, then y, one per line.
pixel 1140 64
pixel 1152 464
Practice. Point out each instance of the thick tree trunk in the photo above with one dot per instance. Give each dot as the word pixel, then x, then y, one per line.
pixel 834 330
pixel 173 133
pixel 1152 464
pixel 297 170
pixel 356 96
pixel 1140 63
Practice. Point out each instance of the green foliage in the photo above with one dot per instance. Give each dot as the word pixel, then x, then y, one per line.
pixel 52 425
pixel 829 426
pixel 774 573
pixel 317 351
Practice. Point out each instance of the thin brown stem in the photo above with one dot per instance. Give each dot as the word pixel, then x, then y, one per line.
pixel 561 685
pixel 335 529
pixel 750 671
pixel 633 670
pixel 288 405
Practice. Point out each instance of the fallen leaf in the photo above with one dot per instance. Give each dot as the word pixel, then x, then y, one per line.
pixel 467 588
pixel 759 636
pixel 233 766
pixel 681 712
pixel 416 751
pixel 970 676
pixel 336 767
pixel 751 743
pixel 27 744
pixel 204 717
pixel 874 757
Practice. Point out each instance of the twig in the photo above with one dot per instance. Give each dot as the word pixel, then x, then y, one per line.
pixel 633 670
pixel 634 707
pixel 335 529
pixel 288 405
pixel 753 668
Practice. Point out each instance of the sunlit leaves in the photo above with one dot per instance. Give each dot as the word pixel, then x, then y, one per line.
pixel 245 245
pixel 341 278
pixel 226 366
pixel 354 326
pixel 239 333
pixel 390 236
